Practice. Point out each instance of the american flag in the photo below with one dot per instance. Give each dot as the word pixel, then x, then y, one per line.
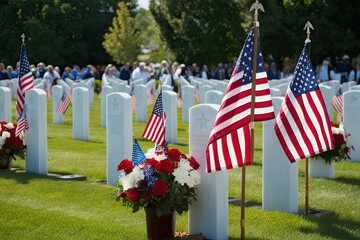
pixel 197 95
pixel 302 125
pixel 337 101
pixel 23 124
pixel 229 142
pixel 151 96
pixel 64 103
pixel 179 101
pixel 155 128
pixel 133 102
pixel 25 82
pixel 137 154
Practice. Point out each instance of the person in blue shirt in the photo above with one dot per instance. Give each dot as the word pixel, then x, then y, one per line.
pixel 3 73
pixel 41 70
pixel 87 73
pixel 125 72
pixel 273 73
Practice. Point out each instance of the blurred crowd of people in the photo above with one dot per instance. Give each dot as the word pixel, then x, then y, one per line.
pixel 342 70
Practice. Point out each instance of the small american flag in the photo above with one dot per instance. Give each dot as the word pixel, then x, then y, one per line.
pixel 133 102
pixel 179 101
pixel 25 82
pixel 151 96
pixel 23 124
pixel 155 128
pixel 197 95
pixel 64 103
pixel 137 154
pixel 337 101
pixel 302 125
pixel 229 142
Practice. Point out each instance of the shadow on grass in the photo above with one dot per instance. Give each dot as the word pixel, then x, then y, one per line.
pixel 349 181
pixel 331 226
pixel 24 178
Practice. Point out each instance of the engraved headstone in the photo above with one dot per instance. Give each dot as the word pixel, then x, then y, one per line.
pixel 105 90
pixel 214 97
pixel 347 85
pixel 118 133
pixel 280 177
pixel 188 100
pixel 5 104
pixel 81 124
pixel 170 108
pixel 352 120
pixel 36 136
pixel 209 214
pixel 141 103
pixel 57 94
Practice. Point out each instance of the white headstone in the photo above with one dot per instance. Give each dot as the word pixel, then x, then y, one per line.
pixel 209 215
pixel 346 86
pixel 90 85
pixel 141 103
pixel 356 87
pixel 334 84
pixel 14 86
pixel 105 90
pixel 188 99
pixel 151 85
pixel 5 104
pixel 283 88
pixel 280 177
pixel 65 86
pixel 275 92
pixel 274 83
pixel 57 94
pixel 214 97
pixel 118 133
pixel 221 86
pixel 167 88
pixel 81 124
pixel 170 108
pixel 352 120
pixel 36 136
pixel 327 94
pixel 202 91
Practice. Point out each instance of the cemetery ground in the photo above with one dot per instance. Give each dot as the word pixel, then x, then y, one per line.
pixel 40 207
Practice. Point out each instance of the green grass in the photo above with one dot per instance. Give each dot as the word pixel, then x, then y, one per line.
pixel 38 207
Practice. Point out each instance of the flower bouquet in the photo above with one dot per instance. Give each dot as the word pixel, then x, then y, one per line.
pixel 164 182
pixel 10 145
pixel 342 145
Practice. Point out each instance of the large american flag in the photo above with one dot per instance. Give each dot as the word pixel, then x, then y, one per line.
pixel 25 82
pixel 302 125
pixel 64 103
pixel 23 124
pixel 137 154
pixel 155 128
pixel 229 142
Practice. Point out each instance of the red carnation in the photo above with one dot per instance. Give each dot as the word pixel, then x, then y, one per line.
pixel 134 195
pixel 173 154
pixel 193 163
pixel 123 194
pixel 126 165
pixel 346 150
pixel 339 139
pixel 153 162
pixel 160 187
pixel 165 166
pixel 147 194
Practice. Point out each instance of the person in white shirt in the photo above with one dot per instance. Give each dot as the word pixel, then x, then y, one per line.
pixel 140 72
pixel 51 77
pixel 107 77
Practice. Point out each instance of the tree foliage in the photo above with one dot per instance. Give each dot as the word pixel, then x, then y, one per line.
pixel 122 41
pixel 202 31
pixel 59 32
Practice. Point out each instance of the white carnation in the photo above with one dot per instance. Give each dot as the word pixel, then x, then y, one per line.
pixel 335 130
pixel 151 154
pixel 127 182
pixel 137 174
pixel 195 178
pixel 9 125
pixel 184 165
pixel 181 176
pixel 6 134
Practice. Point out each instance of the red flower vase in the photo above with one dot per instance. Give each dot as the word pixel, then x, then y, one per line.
pixel 160 228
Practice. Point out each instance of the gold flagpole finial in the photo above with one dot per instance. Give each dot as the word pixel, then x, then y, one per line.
pixel 256 6
pixel 307 27
pixel 23 38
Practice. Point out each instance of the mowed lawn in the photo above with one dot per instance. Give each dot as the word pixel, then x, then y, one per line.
pixel 39 207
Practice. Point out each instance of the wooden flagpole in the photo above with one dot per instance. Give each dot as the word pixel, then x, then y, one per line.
pixel 307 27
pixel 256 6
